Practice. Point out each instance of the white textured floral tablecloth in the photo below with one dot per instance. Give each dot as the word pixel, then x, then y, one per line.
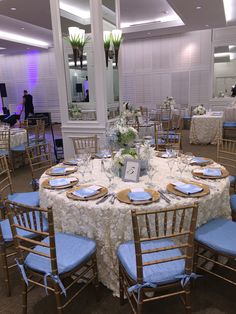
pixel 230 114
pixel 206 129
pixel 111 225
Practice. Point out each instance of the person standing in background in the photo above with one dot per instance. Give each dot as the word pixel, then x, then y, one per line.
pixel 28 104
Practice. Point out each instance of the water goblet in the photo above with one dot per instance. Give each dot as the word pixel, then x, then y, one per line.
pixel 170 163
pixel 151 171
pixel 108 168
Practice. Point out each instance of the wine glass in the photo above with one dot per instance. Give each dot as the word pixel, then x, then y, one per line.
pixel 108 168
pixel 188 157
pixel 181 165
pixel 152 171
pixel 170 163
pixel 82 166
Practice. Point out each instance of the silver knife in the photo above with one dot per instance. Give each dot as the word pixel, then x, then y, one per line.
pixel 103 199
pixel 164 197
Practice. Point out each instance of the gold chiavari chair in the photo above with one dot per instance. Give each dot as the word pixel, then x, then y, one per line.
pixel 176 122
pixel 167 139
pixel 40 159
pixel 24 124
pixel 5 145
pixel 53 260
pixel 85 144
pixel 40 131
pixel 160 259
pixel 6 240
pixel 165 118
pixel 226 156
pixel 215 242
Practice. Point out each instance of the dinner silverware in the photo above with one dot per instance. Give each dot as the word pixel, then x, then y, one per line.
pixel 164 197
pixel 103 199
pixel 112 200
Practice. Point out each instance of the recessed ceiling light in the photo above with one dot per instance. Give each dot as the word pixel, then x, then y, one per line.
pixel 13 9
pixel 207 25
pixel 149 33
pixel 22 28
pixel 2 48
pixel 198 7
pixel 23 39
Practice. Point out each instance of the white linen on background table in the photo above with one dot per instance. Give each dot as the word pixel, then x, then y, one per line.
pixel 230 114
pixel 110 225
pixel 206 129
pixel 18 137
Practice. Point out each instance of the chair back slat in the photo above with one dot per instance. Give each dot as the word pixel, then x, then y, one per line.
pixel 32 219
pixel 5 178
pixel 167 139
pixel 167 224
pixel 85 144
pixel 5 139
pixel 226 154
pixel 40 158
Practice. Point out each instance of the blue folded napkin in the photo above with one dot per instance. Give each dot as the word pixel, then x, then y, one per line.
pixel 212 172
pixel 85 192
pixel 187 188
pixel 58 170
pixel 198 160
pixel 59 182
pixel 139 196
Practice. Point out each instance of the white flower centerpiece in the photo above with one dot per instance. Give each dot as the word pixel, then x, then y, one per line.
pixel 123 136
pixel 199 110
pixel 129 112
pixel 168 103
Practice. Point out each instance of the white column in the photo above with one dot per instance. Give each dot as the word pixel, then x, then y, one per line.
pixel 99 60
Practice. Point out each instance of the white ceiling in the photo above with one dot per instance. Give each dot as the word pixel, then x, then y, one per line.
pixel 34 17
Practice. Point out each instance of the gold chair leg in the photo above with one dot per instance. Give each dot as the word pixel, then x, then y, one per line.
pixel 5 268
pixel 58 298
pixel 24 297
pixel 95 281
pixel 188 309
pixel 121 286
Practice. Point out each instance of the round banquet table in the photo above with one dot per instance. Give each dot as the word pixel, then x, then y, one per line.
pixel 111 225
pixel 206 129
pixel 17 137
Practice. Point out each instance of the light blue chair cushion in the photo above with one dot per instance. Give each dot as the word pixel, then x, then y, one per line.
pixel 71 251
pixel 27 198
pixel 4 152
pixel 233 203
pixel 218 234
pixel 6 229
pixel 19 148
pixel 229 124
pixel 162 273
pixel 232 180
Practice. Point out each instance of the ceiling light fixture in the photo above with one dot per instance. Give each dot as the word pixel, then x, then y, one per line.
pixel 207 25
pixel 198 7
pixel 13 9
pixel 163 19
pixel 229 9
pixel 2 48
pixel 74 10
pixel 22 28
pixel 23 39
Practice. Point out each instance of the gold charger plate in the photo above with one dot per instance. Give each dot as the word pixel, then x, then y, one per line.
pixel 171 188
pixel 102 192
pixel 49 172
pixel 68 163
pixel 202 164
pixel 224 174
pixel 46 184
pixel 122 196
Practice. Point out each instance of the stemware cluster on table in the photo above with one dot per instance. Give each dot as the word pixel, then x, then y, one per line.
pixel 178 187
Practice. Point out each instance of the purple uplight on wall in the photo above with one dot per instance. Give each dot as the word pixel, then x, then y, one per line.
pixel 32 68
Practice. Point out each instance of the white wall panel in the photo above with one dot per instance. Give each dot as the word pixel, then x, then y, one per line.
pixel 177 65
pixel 34 71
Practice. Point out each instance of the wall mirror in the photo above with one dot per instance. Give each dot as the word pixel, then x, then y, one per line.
pixel 79 63
pixel 224 78
pixel 112 74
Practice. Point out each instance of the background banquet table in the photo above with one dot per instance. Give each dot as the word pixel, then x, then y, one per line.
pixel 17 137
pixel 206 129
pixel 111 225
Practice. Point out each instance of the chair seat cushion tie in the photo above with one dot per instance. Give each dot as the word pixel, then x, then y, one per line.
pixel 185 279
pixel 56 279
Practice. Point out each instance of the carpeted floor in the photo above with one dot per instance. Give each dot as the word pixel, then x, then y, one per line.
pixel 210 296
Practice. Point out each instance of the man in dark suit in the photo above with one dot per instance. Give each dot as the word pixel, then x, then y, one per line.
pixel 28 104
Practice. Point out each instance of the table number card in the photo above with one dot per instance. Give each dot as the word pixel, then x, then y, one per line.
pixel 131 170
